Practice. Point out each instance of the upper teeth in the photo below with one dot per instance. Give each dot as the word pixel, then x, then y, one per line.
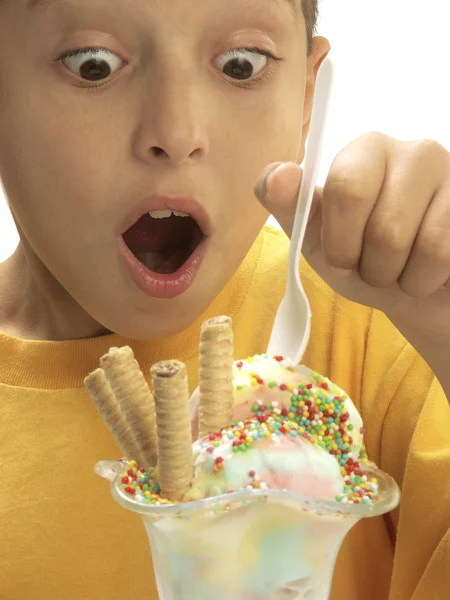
pixel 165 214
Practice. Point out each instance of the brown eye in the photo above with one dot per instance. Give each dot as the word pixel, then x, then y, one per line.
pixel 92 65
pixel 241 64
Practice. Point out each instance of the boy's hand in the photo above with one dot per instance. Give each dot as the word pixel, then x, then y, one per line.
pixel 379 230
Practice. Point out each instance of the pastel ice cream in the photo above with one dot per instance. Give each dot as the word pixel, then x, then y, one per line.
pixel 310 399
pixel 269 461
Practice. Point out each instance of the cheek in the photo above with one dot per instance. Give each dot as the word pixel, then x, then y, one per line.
pixel 53 170
pixel 270 132
pixel 267 128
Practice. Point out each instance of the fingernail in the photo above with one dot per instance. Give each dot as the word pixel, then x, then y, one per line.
pixel 266 176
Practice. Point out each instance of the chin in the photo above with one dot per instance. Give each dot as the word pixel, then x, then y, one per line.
pixel 163 318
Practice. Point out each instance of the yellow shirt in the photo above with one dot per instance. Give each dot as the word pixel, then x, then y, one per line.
pixel 63 537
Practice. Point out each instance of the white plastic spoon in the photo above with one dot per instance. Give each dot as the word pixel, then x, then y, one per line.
pixel 291 330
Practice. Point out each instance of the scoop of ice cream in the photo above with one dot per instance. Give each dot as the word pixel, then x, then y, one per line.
pixel 309 399
pixel 268 452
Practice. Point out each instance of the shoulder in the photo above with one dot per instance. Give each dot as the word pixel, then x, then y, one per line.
pixel 273 268
pixel 274 261
pixel 275 241
pixel 275 235
pixel 274 250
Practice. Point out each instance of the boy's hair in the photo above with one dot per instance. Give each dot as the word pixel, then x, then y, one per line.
pixel 311 14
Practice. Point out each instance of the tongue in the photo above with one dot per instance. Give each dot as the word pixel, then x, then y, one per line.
pixel 157 234
pixel 166 262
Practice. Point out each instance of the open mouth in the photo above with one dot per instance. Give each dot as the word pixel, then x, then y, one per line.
pixel 164 240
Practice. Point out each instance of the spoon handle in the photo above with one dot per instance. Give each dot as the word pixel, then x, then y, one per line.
pixel 291 330
pixel 311 165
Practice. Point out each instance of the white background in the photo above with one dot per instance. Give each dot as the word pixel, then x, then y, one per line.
pixel 392 75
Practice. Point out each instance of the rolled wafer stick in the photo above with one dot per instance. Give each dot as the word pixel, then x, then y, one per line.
pixel 175 465
pixel 102 395
pixel 135 400
pixel 216 375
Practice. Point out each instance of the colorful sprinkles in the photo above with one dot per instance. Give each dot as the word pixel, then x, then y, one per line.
pixel 136 482
pixel 315 414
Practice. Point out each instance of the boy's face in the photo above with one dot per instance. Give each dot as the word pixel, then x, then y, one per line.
pixel 180 106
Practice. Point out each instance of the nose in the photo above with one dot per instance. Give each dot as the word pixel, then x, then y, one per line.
pixel 173 129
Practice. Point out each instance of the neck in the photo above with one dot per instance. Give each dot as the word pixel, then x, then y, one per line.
pixel 33 304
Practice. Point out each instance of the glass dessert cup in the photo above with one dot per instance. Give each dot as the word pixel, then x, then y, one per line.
pixel 250 544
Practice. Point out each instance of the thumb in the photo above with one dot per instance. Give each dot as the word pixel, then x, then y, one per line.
pixel 277 189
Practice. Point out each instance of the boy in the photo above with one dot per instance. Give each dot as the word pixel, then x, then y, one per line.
pixel 114 114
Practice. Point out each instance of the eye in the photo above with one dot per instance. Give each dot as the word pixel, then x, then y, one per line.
pixel 92 64
pixel 243 63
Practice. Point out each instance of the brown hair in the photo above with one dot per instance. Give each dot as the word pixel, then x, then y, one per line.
pixel 311 13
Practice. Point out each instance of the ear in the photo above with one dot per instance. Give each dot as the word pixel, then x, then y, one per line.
pixel 321 48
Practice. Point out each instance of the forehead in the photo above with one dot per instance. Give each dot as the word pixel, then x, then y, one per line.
pixel 42 4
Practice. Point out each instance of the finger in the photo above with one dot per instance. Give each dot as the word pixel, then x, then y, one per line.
pixel 428 267
pixel 350 193
pixel 407 192
pixel 261 187
pixel 413 177
pixel 277 189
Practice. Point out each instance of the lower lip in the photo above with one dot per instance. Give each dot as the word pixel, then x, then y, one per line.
pixel 163 286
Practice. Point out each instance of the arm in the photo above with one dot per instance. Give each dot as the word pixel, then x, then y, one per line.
pixel 434 351
pixel 408 423
pixel 422 522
